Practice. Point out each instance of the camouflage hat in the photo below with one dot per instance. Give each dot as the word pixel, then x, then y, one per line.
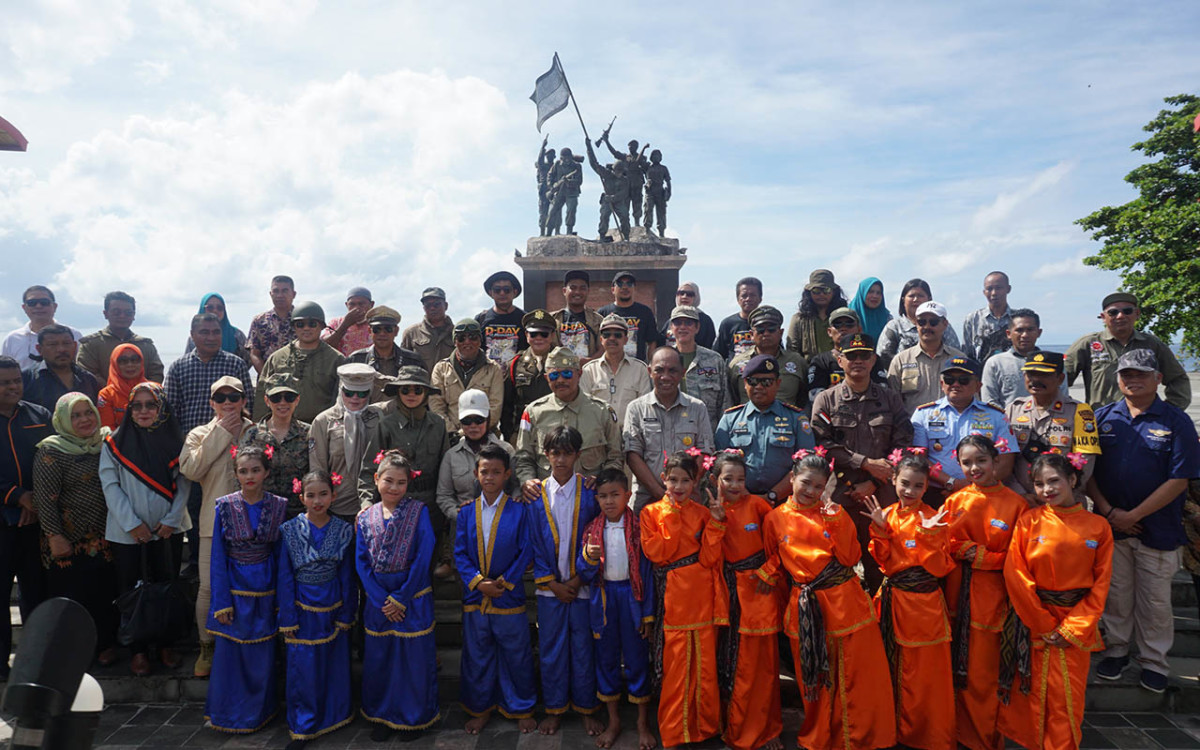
pixel 612 320
pixel 820 277
pixel 1138 359
pixel 562 358
pixel 856 342
pixel 844 312
pixel 382 314
pixel 282 383
pixel 308 310
pixel 433 291
pixel 685 311
pixel 765 314
pixel 539 320
pixel 409 375
pixel 1040 361
pixel 467 325
pixel 761 364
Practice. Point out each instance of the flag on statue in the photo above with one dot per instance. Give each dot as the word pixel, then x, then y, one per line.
pixel 550 93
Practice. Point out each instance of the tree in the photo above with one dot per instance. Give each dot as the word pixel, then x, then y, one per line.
pixel 1154 240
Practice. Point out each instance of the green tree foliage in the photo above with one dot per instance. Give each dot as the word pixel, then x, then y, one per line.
pixel 1154 240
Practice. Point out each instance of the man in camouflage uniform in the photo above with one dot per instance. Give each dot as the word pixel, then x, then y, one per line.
pixel 566 180
pixel 704 374
pixel 766 326
pixel 525 381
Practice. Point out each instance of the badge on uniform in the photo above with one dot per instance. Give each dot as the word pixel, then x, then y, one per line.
pixel 790 367
pixel 937 446
pixel 997 523
pixel 910 543
pixel 687 441
pixel 751 527
pixel 1091 543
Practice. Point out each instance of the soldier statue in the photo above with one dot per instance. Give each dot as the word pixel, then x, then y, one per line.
pixel 566 178
pixel 615 198
pixel 658 191
pixel 635 165
pixel 545 163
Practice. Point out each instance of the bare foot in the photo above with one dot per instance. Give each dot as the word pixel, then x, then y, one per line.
pixel 550 724
pixel 592 725
pixel 646 738
pixel 476 723
pixel 527 725
pixel 774 744
pixel 609 736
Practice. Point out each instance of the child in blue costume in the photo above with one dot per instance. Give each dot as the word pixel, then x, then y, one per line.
pixel 318 600
pixel 246 531
pixel 492 549
pixel 394 552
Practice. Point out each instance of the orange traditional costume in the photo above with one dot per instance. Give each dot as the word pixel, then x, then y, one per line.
pixel 1058 570
pixel 832 627
pixel 748 651
pixel 684 543
pixel 981 519
pixel 915 626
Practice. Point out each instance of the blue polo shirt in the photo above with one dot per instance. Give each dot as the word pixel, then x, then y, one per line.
pixel 768 437
pixel 938 428
pixel 1137 454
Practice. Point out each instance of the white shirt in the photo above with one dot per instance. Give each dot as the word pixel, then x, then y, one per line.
pixel 616 557
pixel 562 510
pixel 489 515
pixel 21 344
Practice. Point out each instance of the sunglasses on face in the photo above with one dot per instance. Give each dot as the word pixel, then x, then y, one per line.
pixel 383 328
pixel 411 390
pixel 356 394
pixel 957 379
pixel 144 406
pixel 502 290
pixel 624 282
pixel 612 334
pixel 38 302
pixel 288 396
pixel 564 374
pixel 928 322
pixel 307 324
pixel 233 398
pixel 538 334
pixel 129 360
pixel 857 356
pixel 460 337
pixel 766 330
pixel 765 382
pixel 685 293
pixel 1113 312
pixel 472 421
pixel 820 290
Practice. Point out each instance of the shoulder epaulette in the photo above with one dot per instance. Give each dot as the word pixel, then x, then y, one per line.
pixel 794 408
pixel 995 406
pixel 926 406
pixel 734 408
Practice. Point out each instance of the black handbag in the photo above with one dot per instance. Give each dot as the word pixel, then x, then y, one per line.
pixel 153 611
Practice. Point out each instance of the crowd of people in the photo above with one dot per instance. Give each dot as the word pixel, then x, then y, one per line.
pixel 937 531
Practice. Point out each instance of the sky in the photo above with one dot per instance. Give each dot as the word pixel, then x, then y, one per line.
pixel 179 148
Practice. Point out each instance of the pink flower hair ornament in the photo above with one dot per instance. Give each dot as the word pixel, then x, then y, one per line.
pixel 269 452
pixel 233 452
pixel 693 451
pixel 1001 444
pixel 378 458
pixel 820 451
pixel 707 462
pixel 335 479
pixel 414 473
pixel 917 449
pixel 1078 460
pixel 895 456
pixel 297 486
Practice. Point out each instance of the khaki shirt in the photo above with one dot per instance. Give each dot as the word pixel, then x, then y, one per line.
pixel 205 459
pixel 1066 427
pixel 95 354
pixel 655 431
pixel 1095 357
pixel 708 380
pixel 793 377
pixel 456 483
pixel 594 419
pixel 487 378
pixel 917 377
pixel 423 441
pixel 327 452
pixel 315 371
pixel 857 426
pixel 617 389
pixel 431 344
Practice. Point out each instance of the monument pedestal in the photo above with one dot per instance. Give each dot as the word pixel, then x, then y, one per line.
pixel 655 261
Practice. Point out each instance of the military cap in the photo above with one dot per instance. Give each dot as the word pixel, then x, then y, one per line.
pixel 226 381
pixel 467 325
pixel 844 312
pixel 765 314
pixel 382 314
pixel 1138 359
pixel 685 311
pixel 539 320
pixel 308 310
pixel 580 274
pixel 820 277
pixel 409 375
pixel 623 274
pixel 855 342
pixel 359 291
pixel 761 364
pixel 502 276
pixel 1116 297
pixel 356 376
pixel 966 364
pixel 433 291
pixel 562 358
pixel 613 320
pixel 281 383
pixel 937 308
pixel 1040 361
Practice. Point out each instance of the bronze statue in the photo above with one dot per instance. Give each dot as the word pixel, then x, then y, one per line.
pixel 635 165
pixel 618 189
pixel 658 191
pixel 544 163
pixel 566 178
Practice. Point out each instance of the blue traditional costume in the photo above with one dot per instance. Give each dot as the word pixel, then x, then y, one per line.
pixel 318 601
pixel 564 630
pixel 241 690
pixel 622 601
pixel 493 542
pixel 399 687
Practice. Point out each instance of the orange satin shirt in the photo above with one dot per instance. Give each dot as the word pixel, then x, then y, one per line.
pixel 983 518
pixel 743 538
pixel 695 595
pixel 919 618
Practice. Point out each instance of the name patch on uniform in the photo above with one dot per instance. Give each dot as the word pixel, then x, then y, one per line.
pixel 999 524
pixel 751 527
pixel 1092 543
pixel 910 543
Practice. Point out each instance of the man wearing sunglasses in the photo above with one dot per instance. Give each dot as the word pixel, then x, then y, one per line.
pixel 1095 355
pixel 525 380
pixel 939 426
pixel 766 333
pixel 643 328
pixel 467 367
pixel 383 354
pixel 616 378
pixel 39 306
pixel 566 405
pixel 914 371
pixel 503 337
pixel 688 293
pixel 309 360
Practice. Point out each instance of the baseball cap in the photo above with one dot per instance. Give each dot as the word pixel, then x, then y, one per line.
pixel 937 308
pixel 1138 359
pixel 473 403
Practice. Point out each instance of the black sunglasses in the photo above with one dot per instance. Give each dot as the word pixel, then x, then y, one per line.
pixel 538 334
pixel 928 322
pixel 764 382
pixel 233 398
pixel 307 324
pixel 1113 312
pixel 356 394
pixel 459 337
pixel 613 334
pixel 143 406
pixel 288 396
pixel 408 390
pixel 38 302
pixel 469 421
pixel 765 330
pixel 959 380
pixel 859 356
pixel 382 328
pixel 129 360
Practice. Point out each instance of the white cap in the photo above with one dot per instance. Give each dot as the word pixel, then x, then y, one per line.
pixel 937 308
pixel 473 403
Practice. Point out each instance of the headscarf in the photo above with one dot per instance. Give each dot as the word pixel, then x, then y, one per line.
pixel 150 453
pixel 355 431
pixel 872 320
pixel 66 441
pixel 115 395
pixel 228 335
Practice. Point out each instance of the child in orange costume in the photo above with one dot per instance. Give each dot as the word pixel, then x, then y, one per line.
pixel 683 540
pixel 982 518
pixel 748 650
pixel 910 543
pixel 1058 570
pixel 829 618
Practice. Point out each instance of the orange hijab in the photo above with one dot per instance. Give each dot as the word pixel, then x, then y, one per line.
pixel 114 397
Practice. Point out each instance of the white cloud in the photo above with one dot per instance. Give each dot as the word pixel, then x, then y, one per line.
pixel 1002 208
pixel 43 43
pixel 153 72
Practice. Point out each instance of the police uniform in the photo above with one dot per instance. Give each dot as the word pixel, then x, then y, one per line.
pixel 1067 426
pixel 793 368
pixel 768 437
pixel 526 375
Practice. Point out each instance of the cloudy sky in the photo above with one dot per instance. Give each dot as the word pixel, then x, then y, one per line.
pixel 178 147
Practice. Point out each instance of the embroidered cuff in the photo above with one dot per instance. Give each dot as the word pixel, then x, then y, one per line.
pixel 392 600
pixel 475 581
pixel 505 584
pixel 588 559
pixel 648 619
pixel 769 580
pixel 1071 637
pixel 219 612
pixel 718 525
pixel 543 580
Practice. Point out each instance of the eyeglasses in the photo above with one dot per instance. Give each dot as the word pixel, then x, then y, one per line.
pixel 957 380
pixel 613 334
pixel 820 290
pixel 233 398
pixel 538 334
pixel 502 290
pixel 411 390
pixel 858 356
pixel 129 360
pixel 303 323
pixel 1113 312
pixel 460 337
pixel 144 405
pixel 764 382
pixel 625 282
pixel 928 322
pixel 38 302
pixel 685 293
pixel 288 396
pixel 356 394
pixel 383 328
pixel 564 374
pixel 472 421
pixel 766 330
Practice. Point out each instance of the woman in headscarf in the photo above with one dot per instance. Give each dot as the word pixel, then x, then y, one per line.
pixel 873 314
pixel 900 333
pixel 147 501
pixel 126 368
pixel 70 505
pixel 343 441
pixel 232 339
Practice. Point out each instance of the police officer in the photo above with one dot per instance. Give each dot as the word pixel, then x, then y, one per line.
pixel 939 425
pixel 766 333
pixel 524 381
pixel 767 430
pixel 860 422
pixel 825 369
pixel 566 405
pixel 1046 420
